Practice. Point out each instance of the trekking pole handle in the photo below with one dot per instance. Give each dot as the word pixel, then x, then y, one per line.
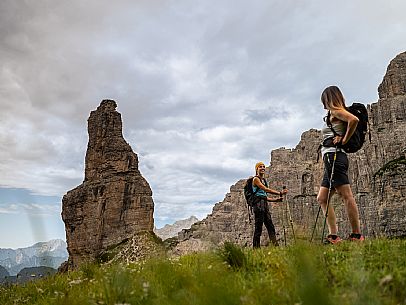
pixel 280 193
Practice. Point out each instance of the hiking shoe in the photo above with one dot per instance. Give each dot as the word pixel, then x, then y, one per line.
pixel 356 237
pixel 333 239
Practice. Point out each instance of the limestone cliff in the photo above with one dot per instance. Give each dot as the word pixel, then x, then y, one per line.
pixel 114 202
pixel 377 173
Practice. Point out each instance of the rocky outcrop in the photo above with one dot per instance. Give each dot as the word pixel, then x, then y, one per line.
pixel 139 247
pixel 393 83
pixel 114 201
pixel 377 173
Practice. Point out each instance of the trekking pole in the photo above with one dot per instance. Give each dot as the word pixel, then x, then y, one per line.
pixel 329 192
pixel 315 223
pixel 283 225
pixel 249 213
pixel 289 215
pixel 319 209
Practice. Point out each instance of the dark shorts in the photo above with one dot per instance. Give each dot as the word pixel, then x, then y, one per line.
pixel 340 176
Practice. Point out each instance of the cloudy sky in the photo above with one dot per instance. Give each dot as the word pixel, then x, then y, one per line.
pixel 205 89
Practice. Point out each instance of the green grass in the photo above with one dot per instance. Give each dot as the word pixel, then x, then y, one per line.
pixel 373 272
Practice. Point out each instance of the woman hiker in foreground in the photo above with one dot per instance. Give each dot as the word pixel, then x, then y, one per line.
pixel 261 209
pixel 340 125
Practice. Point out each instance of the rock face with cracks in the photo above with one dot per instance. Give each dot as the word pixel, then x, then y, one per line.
pixel 377 173
pixel 114 202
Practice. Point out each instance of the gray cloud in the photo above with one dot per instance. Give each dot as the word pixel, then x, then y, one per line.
pixel 206 89
pixel 33 209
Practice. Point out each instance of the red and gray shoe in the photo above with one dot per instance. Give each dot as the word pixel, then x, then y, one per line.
pixel 333 239
pixel 356 237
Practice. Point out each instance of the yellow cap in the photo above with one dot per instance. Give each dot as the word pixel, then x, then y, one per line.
pixel 258 165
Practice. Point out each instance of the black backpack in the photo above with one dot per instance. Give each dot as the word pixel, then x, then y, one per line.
pixel 358 138
pixel 249 194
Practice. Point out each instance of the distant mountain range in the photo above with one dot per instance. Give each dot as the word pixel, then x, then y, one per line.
pixel 172 230
pixel 50 254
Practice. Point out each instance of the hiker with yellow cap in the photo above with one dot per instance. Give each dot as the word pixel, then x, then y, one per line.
pixel 261 210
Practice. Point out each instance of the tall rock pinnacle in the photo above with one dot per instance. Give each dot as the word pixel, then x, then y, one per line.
pixel 114 201
pixel 107 152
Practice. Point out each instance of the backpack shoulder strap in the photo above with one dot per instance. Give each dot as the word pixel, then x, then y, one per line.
pixel 256 186
pixel 263 181
pixel 328 121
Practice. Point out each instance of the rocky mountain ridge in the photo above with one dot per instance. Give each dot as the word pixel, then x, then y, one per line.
pixel 377 173
pixel 172 230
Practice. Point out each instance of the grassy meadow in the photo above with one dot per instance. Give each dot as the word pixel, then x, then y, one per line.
pixel 372 272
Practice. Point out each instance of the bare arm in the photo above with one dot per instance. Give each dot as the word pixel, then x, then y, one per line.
pixel 350 119
pixel 277 199
pixel 257 182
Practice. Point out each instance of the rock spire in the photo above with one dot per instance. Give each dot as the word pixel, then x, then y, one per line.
pixel 114 202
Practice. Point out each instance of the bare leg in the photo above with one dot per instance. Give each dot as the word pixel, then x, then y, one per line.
pixel 352 210
pixel 331 217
